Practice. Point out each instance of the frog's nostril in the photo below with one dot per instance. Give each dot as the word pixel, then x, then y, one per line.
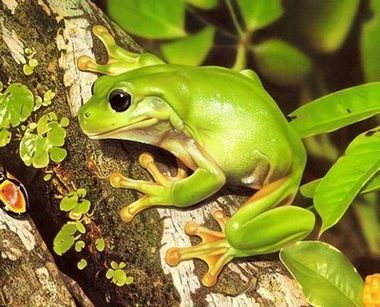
pixel 87 114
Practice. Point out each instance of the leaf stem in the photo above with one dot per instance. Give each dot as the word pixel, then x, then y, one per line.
pixel 234 19
pixel 207 23
pixel 241 60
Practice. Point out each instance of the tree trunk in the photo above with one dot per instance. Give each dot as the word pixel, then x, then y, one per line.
pixel 60 32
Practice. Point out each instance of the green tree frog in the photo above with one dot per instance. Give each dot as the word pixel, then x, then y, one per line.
pixel 220 124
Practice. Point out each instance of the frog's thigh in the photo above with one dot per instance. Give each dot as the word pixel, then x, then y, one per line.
pixel 205 181
pixel 256 228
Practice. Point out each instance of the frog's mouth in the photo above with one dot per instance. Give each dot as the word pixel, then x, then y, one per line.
pixel 122 132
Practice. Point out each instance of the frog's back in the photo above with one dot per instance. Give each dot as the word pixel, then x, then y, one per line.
pixel 233 118
pixel 241 126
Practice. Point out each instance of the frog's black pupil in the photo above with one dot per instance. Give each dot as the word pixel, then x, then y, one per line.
pixel 119 100
pixel 92 88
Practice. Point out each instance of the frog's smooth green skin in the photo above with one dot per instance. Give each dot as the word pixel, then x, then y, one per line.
pixel 219 123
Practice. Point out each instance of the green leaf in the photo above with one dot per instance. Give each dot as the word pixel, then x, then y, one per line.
pixel 203 4
pixel 281 63
pixel 346 178
pixel 47 177
pixel 326 276
pixel 5 137
pixel 82 207
pixel 114 265
pixel 33 63
pixel 56 134
pixel 64 122
pixel 69 229
pixel 149 18
pixel 191 50
pixel 119 278
pixel 308 189
pixel 57 154
pixel 82 264
pixel 122 265
pixel 27 69
pixel 64 239
pixel 109 273
pixel 372 185
pixel 68 202
pixel 370 45
pixel 82 192
pixel 80 227
pixel 337 110
pixel 129 280
pixel 79 245
pixel 48 96
pixel 258 14
pixel 100 244
pixel 16 105
pixel 325 24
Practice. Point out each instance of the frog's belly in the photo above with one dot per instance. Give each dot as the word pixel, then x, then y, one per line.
pixel 244 165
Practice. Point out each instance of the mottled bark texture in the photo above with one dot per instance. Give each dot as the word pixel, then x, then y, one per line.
pixel 59 32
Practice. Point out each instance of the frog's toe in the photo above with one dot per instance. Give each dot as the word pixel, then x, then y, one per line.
pixel 145 159
pixel 115 180
pixel 128 212
pixel 173 256
pixel 214 249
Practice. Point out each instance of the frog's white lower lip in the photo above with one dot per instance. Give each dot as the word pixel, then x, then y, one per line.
pixel 118 133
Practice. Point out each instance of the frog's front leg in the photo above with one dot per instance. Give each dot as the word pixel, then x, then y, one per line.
pixel 119 59
pixel 254 229
pixel 179 191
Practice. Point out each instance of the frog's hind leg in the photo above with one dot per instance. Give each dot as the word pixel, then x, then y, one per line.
pixel 256 228
pixel 214 248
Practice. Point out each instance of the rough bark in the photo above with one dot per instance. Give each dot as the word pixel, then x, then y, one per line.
pixel 60 31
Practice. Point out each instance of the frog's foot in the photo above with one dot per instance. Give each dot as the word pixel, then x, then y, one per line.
pixel 119 59
pixel 214 248
pixel 156 193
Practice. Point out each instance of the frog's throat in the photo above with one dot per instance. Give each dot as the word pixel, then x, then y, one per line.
pixel 148 122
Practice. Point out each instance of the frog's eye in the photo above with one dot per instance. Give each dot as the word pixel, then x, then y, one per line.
pixel 119 100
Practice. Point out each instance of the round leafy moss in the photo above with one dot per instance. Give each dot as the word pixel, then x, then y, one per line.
pixel 43 141
pixel 16 105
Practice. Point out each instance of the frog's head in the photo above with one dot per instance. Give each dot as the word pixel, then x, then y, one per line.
pixel 118 109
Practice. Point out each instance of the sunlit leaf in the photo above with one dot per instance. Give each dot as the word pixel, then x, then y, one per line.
pixel 100 244
pixel 326 276
pixel 82 264
pixel 5 137
pixel 16 105
pixel 337 110
pixel 281 63
pixel 203 4
pixel 370 44
pixel 149 18
pixel 68 202
pixel 64 239
pixel 372 185
pixel 308 189
pixel 347 177
pixel 79 245
pixel 109 273
pixel 258 14
pixel 191 50
pixel 325 24
pixel 80 227
pixel 119 278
